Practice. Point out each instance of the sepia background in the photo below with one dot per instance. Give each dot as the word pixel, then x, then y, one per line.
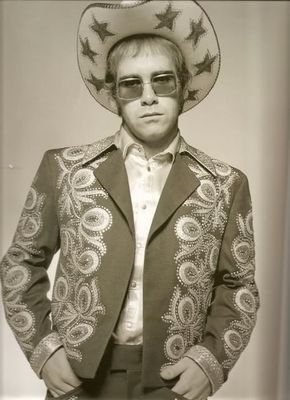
pixel 244 121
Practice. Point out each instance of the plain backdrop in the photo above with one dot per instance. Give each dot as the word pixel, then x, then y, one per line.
pixel 244 121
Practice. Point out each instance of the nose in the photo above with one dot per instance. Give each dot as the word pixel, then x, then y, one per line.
pixel 148 96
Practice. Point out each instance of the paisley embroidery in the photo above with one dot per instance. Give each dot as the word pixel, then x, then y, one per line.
pixel 67 236
pixel 75 153
pixel 233 340
pixel 222 169
pixel 77 316
pixel 188 273
pixel 22 321
pixel 245 301
pixel 96 219
pixel 175 346
pixel 188 229
pixel 186 309
pixel 236 337
pixel 243 249
pixel 31 199
pixel 82 178
pixel 79 333
pixel 76 303
pixel 89 262
pixel 207 191
pixel 30 223
pixel 16 278
pixel 187 319
pixel 84 299
pixel 76 183
pixel 61 289
pixel 212 256
pixel 15 255
pixel 214 195
pixel 199 232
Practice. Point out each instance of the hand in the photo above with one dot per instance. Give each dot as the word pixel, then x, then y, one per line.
pixel 58 374
pixel 193 382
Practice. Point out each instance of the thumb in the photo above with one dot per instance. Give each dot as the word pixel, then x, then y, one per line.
pixel 172 371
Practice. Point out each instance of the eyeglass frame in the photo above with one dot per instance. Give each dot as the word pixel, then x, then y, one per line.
pixel 176 80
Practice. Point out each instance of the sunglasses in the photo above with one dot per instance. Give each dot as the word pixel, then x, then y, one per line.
pixel 132 88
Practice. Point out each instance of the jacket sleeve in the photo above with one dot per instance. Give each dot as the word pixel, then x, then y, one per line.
pixel 232 314
pixel 23 270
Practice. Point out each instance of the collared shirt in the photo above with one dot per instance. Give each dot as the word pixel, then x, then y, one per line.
pixel 146 178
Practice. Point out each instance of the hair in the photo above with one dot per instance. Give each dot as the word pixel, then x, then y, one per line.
pixel 133 45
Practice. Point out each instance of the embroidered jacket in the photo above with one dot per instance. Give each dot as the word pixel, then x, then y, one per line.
pixel 200 296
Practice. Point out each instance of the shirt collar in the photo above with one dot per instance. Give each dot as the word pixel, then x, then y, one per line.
pixel 102 146
pixel 124 141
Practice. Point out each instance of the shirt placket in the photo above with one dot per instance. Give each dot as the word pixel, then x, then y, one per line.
pixel 146 182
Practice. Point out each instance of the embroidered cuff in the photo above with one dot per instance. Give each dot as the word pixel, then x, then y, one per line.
pixel 209 364
pixel 43 351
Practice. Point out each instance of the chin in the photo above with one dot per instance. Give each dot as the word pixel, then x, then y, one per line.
pixel 153 136
pixel 155 130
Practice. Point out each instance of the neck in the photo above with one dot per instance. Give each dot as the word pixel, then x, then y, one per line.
pixel 151 148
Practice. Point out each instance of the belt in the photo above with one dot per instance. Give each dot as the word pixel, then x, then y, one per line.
pixel 126 357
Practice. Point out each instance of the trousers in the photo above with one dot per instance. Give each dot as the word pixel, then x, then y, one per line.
pixel 119 377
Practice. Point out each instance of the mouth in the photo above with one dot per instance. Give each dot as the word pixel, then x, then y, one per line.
pixel 150 115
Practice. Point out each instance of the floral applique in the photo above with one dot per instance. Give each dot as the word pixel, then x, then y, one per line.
pixel 77 304
pixel 16 276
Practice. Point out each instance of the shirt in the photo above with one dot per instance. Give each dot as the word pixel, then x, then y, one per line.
pixel 146 178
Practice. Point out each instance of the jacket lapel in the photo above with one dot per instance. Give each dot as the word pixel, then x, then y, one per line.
pixel 181 182
pixel 113 177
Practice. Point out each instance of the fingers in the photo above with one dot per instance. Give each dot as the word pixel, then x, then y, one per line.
pixel 193 384
pixel 58 374
pixel 60 388
pixel 71 379
pixel 67 374
pixel 172 371
pixel 182 386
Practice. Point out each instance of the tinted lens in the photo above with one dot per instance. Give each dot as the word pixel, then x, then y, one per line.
pixel 164 84
pixel 130 88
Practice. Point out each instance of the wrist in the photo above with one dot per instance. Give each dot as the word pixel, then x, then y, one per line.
pixel 209 365
pixel 43 351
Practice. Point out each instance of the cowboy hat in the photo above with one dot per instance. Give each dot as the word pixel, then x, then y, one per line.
pixel 185 23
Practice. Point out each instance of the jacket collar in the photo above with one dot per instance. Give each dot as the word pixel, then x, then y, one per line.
pixel 100 147
pixel 198 155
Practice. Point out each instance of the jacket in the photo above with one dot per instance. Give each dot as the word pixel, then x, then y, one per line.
pixel 200 297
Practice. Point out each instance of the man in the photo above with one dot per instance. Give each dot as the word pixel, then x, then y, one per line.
pixel 154 294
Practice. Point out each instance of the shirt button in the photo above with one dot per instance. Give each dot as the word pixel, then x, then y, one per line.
pixel 144 207
pixel 139 245
pixel 129 325
pixel 133 284
pixel 148 168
